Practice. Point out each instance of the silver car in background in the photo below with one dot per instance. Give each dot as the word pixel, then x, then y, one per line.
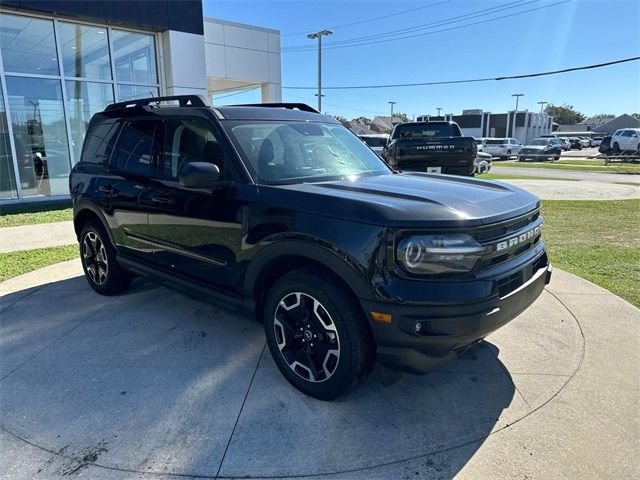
pixel 501 147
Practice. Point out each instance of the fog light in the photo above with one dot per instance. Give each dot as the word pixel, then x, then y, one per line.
pixel 381 317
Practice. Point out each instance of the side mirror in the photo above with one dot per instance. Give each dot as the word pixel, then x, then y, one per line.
pixel 198 175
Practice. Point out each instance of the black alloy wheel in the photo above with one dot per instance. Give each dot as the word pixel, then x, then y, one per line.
pixel 94 257
pixel 307 337
pixel 99 261
pixel 317 334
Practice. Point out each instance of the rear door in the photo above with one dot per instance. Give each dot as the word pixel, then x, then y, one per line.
pixel 125 183
pixel 195 232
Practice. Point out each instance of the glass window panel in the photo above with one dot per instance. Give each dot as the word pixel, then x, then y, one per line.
pixel 7 174
pixel 136 148
pixel 129 92
pixel 85 51
pixel 84 99
pixel 135 57
pixel 28 45
pixel 40 135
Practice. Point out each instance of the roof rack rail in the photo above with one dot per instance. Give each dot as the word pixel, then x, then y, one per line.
pixel 291 106
pixel 183 101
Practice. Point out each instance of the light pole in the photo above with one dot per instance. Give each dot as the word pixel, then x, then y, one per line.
pixel 319 36
pixel 542 104
pixel 517 95
pixel 438 108
pixel 392 104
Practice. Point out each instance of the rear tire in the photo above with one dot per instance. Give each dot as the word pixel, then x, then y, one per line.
pixel 317 334
pixel 616 147
pixel 99 261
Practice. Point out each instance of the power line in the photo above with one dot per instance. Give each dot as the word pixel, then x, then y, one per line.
pixel 344 25
pixel 363 43
pixel 377 112
pixel 454 19
pixel 473 80
pixel 235 93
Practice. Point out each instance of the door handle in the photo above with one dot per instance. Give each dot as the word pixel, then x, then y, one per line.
pixel 108 189
pixel 163 200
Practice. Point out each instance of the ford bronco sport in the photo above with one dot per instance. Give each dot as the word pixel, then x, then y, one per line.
pixel 279 211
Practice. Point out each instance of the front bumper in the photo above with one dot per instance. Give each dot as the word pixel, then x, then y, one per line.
pixel 446 331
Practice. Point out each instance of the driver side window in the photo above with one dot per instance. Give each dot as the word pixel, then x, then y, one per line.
pixel 188 140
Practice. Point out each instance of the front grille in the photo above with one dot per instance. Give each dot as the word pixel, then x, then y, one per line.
pixel 507 240
pixel 508 284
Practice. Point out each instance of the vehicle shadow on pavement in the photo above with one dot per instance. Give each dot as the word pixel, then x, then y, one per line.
pixel 153 381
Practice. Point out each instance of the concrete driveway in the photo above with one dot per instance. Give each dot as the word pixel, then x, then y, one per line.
pixel 152 384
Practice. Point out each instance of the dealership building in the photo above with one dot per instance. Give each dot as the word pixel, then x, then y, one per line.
pixel 63 61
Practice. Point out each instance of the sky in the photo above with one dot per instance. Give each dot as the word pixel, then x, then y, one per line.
pixel 552 35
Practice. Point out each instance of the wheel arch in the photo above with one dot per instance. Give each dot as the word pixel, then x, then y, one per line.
pixel 86 212
pixel 277 260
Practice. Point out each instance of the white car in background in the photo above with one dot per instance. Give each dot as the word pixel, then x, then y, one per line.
pixel 376 142
pixel 626 139
pixel 501 147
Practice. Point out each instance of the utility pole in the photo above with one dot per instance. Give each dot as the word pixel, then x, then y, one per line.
pixel 542 104
pixel 392 104
pixel 319 36
pixel 517 95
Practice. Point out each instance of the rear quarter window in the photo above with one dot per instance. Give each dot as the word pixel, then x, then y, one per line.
pixel 99 143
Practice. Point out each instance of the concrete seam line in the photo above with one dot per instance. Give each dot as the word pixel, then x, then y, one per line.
pixel 55 341
pixel 506 372
pixel 246 395
pixel 21 298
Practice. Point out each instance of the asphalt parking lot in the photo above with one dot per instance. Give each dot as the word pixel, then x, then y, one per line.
pixel 152 384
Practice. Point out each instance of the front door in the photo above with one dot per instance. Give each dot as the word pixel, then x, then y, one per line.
pixel 197 232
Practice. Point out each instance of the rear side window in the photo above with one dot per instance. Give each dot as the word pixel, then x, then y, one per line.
pixel 99 143
pixel 137 147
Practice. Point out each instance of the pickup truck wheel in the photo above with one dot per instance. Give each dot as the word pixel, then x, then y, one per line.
pixel 99 262
pixel 317 335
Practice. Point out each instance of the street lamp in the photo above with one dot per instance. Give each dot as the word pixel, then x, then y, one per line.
pixel 438 108
pixel 392 104
pixel 319 36
pixel 542 104
pixel 517 95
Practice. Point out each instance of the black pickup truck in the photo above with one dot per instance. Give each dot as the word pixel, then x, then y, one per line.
pixel 432 147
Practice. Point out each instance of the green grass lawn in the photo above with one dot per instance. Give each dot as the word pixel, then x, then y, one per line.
pixel 16 263
pixel 578 165
pixel 35 215
pixel 597 240
pixel 498 176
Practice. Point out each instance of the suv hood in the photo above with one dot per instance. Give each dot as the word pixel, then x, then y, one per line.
pixel 405 200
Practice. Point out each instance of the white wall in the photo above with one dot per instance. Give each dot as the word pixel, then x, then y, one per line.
pixel 183 61
pixel 240 56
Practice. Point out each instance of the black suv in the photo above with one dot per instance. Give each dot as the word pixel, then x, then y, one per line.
pixel 279 211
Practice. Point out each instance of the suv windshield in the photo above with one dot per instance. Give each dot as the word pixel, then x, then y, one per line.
pixel 297 152
pixel 412 130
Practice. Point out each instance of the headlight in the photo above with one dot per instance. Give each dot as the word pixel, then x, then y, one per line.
pixel 432 254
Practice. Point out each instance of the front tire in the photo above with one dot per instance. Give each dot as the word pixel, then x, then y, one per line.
pixel 616 148
pixel 317 334
pixel 99 262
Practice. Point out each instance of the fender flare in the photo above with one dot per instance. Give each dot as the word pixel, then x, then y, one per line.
pixel 85 204
pixel 329 258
